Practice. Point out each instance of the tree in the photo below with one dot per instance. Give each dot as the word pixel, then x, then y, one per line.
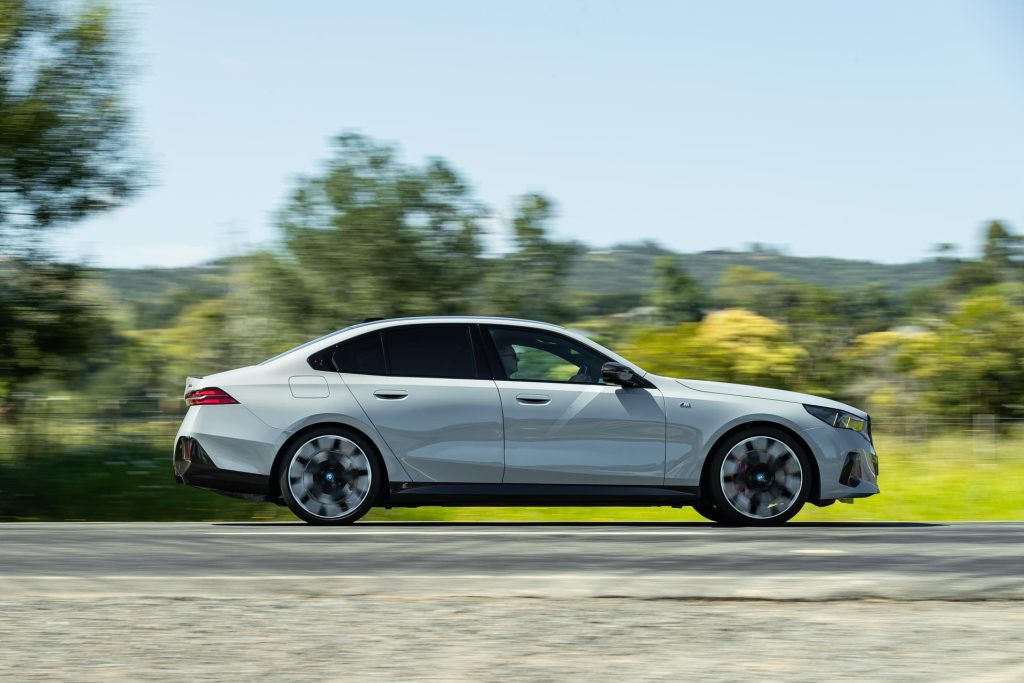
pixel 64 128
pixel 776 296
pixel 1001 261
pixel 678 297
pixel 1002 249
pixel 64 155
pixel 883 363
pixel 730 345
pixel 973 363
pixel 529 281
pixel 944 251
pixel 373 236
pixel 45 326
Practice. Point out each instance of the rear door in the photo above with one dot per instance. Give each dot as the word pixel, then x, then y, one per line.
pixel 563 424
pixel 431 398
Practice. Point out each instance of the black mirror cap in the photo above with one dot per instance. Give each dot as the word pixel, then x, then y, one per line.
pixel 617 373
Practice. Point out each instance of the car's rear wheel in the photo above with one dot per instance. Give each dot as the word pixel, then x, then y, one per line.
pixel 759 476
pixel 330 476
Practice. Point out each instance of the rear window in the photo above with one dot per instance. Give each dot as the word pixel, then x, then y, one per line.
pixel 361 356
pixel 430 351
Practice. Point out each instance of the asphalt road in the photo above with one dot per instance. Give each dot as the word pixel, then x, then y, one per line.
pixel 511 602
pixel 898 561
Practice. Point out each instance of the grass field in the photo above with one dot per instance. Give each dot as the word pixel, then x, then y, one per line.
pixel 954 477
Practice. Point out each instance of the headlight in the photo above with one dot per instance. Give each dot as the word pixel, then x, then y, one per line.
pixel 840 419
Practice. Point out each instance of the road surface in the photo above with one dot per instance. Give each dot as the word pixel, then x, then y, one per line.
pixel 453 602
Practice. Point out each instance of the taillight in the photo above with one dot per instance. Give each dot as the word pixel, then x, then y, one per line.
pixel 208 397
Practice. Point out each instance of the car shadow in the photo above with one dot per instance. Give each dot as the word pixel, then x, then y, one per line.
pixel 652 524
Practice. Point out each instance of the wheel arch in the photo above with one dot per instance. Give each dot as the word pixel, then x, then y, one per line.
pixel 815 492
pixel 274 492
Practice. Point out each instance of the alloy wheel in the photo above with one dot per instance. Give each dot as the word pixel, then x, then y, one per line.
pixel 329 476
pixel 761 477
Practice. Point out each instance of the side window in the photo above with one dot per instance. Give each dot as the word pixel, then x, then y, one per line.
pixel 531 355
pixel 361 356
pixel 430 351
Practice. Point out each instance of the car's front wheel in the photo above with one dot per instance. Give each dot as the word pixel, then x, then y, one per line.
pixel 759 476
pixel 330 476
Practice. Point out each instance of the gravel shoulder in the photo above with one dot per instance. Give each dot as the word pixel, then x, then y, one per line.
pixel 403 638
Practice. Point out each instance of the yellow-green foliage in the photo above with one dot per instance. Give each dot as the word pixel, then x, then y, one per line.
pixel 973 362
pixel 731 345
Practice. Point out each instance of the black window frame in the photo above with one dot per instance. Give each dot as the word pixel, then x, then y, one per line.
pixel 498 368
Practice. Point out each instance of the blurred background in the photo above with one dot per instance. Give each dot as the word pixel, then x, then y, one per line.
pixel 811 197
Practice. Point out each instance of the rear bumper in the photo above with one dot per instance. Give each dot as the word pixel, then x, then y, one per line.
pixel 193 467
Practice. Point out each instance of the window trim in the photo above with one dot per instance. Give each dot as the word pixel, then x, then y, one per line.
pixel 499 368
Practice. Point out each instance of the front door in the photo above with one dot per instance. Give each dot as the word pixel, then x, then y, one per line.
pixel 563 425
pixel 428 401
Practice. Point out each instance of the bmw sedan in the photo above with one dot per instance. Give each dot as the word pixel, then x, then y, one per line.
pixel 496 411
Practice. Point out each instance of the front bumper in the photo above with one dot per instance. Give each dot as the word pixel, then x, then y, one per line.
pixel 193 467
pixel 847 462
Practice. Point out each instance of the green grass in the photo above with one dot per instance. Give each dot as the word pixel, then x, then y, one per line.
pixel 950 478
pixel 955 477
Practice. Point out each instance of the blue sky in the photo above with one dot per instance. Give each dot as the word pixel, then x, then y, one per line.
pixel 866 130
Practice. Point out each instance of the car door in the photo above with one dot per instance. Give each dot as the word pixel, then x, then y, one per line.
pixel 563 425
pixel 431 397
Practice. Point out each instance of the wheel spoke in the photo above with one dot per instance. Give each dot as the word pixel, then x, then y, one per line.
pixel 786 493
pixel 761 477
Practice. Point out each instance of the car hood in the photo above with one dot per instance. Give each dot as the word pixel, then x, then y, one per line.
pixel 766 393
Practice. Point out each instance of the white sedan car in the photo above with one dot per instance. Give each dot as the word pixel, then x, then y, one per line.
pixel 497 411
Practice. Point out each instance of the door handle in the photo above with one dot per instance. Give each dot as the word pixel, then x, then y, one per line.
pixel 391 394
pixel 533 399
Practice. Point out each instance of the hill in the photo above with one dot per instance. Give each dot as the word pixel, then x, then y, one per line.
pixel 628 267
pixel 157 295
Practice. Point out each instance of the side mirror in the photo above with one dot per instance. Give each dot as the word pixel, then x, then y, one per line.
pixel 617 373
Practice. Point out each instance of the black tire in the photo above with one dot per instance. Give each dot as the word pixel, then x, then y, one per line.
pixel 756 473
pixel 709 512
pixel 301 500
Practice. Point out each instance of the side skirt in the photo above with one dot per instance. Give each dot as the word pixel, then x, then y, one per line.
pixel 414 494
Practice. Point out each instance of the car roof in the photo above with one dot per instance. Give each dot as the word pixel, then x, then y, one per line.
pixel 426 319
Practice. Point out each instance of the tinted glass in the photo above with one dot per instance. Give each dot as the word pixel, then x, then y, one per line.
pixel 535 356
pixel 361 356
pixel 428 351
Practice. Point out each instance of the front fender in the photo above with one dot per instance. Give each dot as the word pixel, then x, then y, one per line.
pixel 688 446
